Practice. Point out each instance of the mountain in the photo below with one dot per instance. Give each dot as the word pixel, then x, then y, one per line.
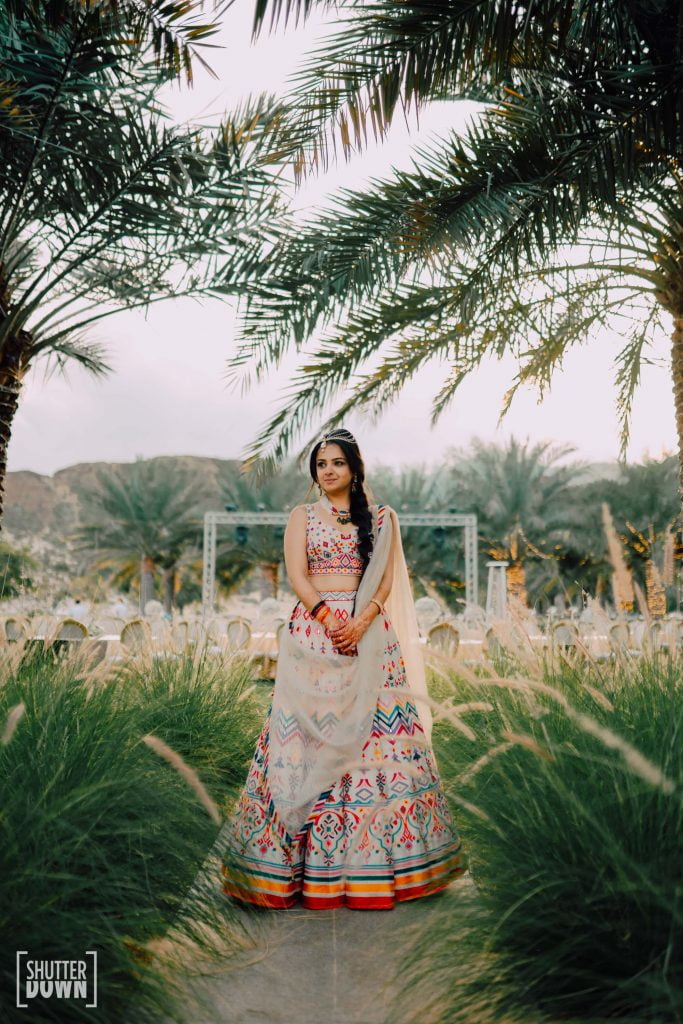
pixel 47 509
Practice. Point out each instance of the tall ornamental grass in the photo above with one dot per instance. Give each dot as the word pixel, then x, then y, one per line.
pixel 567 786
pixel 112 787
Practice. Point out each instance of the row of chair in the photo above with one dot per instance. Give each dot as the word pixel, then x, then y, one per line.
pixel 564 634
pixel 133 634
pixel 236 634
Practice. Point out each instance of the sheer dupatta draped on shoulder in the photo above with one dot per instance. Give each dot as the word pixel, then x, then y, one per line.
pixel 324 704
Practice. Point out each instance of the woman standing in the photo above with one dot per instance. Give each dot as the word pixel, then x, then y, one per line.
pixel 343 805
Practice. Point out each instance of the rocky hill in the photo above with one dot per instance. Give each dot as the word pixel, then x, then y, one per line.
pixel 46 509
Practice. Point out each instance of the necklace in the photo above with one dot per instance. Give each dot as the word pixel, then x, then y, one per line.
pixel 343 514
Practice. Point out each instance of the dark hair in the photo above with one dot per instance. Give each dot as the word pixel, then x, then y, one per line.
pixel 359 509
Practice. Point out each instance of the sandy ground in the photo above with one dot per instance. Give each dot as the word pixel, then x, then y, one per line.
pixel 333 966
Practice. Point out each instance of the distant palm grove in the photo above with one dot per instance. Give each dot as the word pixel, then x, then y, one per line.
pixel 538 508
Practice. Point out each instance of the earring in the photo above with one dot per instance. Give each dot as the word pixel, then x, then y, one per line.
pixel 354 483
pixel 320 490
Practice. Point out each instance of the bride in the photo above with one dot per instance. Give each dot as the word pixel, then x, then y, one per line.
pixel 343 805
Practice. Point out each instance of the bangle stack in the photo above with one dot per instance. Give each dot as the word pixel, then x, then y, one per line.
pixel 373 600
pixel 320 611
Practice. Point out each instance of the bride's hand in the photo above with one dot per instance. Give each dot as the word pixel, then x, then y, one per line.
pixel 346 638
pixel 332 625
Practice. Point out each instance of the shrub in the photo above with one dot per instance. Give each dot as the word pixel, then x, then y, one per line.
pixel 569 800
pixel 102 838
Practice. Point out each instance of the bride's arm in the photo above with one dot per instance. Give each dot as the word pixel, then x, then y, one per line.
pixel 296 564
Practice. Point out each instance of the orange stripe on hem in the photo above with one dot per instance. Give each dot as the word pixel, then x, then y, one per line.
pixel 260 899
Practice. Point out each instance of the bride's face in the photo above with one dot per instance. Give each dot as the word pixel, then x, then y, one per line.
pixel 333 472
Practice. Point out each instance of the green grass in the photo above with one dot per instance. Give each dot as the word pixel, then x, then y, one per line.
pixel 101 838
pixel 569 799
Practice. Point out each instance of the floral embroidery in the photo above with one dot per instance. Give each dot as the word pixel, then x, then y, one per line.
pixel 329 550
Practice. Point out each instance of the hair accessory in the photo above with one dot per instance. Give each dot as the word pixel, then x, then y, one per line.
pixel 338 434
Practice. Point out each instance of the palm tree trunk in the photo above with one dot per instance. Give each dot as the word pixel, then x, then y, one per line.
pixel 147 589
pixel 169 589
pixel 9 400
pixel 274 577
pixel 515 576
pixel 269 579
pixel 654 590
pixel 677 374
pixel 13 365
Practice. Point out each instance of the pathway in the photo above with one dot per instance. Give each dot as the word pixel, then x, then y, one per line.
pixel 331 966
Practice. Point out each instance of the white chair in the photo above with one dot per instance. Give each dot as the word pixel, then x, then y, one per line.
pixel 622 641
pixel 619 638
pixel 428 613
pixel 136 636
pixel 444 638
pixel 16 630
pixel 180 633
pixel 197 633
pixel 656 638
pixel 564 634
pixel 493 645
pixel 238 633
pixel 94 650
pixel 70 629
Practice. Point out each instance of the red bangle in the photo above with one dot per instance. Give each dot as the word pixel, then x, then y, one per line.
pixel 322 614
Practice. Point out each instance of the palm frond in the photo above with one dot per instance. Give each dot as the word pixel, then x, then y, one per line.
pixel 90 355
pixel 387 57
pixel 508 193
pixel 173 31
pixel 171 200
pixel 629 364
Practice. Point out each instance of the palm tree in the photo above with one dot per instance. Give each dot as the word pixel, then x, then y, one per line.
pixel 522 499
pixel 556 214
pixel 140 519
pixel 15 567
pixel 432 553
pixel 644 506
pixel 104 206
pixel 257 546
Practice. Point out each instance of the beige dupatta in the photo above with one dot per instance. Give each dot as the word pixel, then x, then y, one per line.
pixel 324 704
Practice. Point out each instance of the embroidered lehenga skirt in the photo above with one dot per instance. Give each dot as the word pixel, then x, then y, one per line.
pixel 381 834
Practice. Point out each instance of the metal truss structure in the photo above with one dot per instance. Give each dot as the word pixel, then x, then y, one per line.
pixel 212 520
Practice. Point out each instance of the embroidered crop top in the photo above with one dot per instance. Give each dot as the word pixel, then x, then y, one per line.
pixel 331 550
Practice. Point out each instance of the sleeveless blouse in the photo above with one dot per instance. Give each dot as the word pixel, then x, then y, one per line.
pixel 330 550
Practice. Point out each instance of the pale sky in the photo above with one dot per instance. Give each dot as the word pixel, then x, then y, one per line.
pixel 168 394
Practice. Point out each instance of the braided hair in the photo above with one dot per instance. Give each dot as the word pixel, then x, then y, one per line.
pixel 359 509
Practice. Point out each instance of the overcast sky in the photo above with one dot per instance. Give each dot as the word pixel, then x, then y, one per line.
pixel 168 395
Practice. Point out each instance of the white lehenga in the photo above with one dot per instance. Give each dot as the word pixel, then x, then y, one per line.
pixel 343 803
